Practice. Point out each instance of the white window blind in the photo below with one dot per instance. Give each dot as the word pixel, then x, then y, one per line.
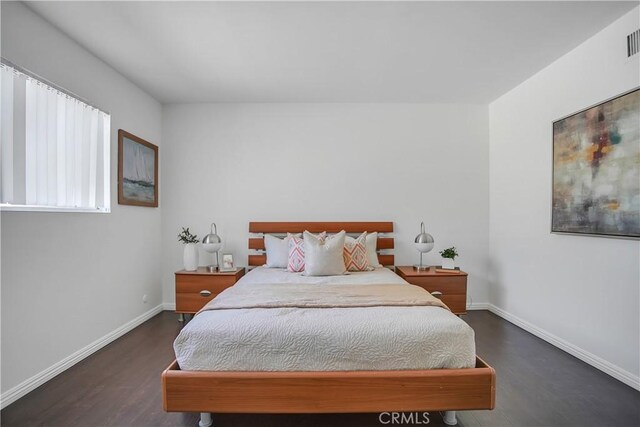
pixel 55 148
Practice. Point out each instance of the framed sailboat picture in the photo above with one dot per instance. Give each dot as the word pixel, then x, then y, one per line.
pixel 137 171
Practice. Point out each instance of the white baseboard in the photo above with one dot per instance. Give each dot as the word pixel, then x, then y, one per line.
pixel 40 378
pixel 169 306
pixel 478 306
pixel 597 362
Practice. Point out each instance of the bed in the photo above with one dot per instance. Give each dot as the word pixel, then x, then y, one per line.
pixel 241 356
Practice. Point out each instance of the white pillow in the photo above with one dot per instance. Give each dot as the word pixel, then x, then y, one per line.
pixel 277 250
pixel 371 244
pixel 323 257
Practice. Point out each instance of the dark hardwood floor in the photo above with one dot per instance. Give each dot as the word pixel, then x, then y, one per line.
pixel 538 385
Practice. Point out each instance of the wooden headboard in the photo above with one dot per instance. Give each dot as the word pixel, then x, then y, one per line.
pixel 256 243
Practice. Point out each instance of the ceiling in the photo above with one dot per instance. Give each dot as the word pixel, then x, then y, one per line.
pixel 432 52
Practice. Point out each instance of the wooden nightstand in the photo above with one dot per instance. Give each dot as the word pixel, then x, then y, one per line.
pixel 453 287
pixel 196 288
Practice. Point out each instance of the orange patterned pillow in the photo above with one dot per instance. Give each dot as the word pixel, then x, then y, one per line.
pixel 355 254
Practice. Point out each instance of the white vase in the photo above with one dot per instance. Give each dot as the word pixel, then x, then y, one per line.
pixel 190 257
pixel 448 263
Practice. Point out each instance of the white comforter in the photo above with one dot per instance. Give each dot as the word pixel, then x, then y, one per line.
pixel 324 339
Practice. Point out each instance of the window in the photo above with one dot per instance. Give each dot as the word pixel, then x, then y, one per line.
pixel 55 147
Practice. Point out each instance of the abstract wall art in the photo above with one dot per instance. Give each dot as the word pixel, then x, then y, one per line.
pixel 596 170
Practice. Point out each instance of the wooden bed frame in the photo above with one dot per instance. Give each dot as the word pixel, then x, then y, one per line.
pixel 327 392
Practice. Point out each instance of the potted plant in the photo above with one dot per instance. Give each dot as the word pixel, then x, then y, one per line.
pixel 448 256
pixel 190 256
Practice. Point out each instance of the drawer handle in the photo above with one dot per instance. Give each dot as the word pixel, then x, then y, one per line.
pixel 205 293
pixel 436 294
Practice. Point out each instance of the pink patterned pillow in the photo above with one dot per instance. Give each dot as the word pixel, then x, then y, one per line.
pixel 296 252
pixel 355 254
pixel 296 255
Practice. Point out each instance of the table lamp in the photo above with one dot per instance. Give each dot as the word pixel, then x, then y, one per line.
pixel 212 244
pixel 424 243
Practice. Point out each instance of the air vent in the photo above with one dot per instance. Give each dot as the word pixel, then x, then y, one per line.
pixel 633 43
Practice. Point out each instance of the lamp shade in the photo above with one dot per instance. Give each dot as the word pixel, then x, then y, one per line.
pixel 424 241
pixel 212 242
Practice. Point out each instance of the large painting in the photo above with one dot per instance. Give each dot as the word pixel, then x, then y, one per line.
pixel 137 171
pixel 596 170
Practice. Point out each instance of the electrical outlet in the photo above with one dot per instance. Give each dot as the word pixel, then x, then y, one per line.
pixel 144 298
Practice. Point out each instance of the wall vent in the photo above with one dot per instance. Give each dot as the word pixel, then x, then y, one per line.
pixel 633 43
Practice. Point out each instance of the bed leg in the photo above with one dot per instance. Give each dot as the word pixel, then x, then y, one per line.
pixel 449 418
pixel 205 419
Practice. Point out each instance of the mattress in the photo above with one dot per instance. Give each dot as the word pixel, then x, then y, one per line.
pixel 327 338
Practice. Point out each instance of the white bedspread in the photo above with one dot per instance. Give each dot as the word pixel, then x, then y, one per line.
pixel 325 339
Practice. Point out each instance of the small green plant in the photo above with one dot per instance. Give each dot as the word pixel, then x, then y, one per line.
pixel 449 253
pixel 186 237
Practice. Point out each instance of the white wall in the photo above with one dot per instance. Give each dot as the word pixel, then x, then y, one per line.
pixel 237 163
pixel 69 278
pixel 584 290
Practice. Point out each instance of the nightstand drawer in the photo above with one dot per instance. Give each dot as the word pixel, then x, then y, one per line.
pixel 456 303
pixel 447 285
pixel 192 284
pixel 452 287
pixel 191 303
pixel 196 288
